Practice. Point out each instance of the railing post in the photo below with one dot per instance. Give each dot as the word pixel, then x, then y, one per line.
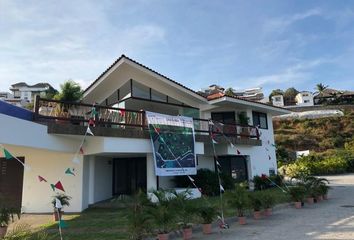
pixel 36 108
pixel 257 132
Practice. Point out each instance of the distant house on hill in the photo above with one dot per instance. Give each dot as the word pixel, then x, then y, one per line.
pixel 304 98
pixel 27 92
pixel 333 96
pixel 278 100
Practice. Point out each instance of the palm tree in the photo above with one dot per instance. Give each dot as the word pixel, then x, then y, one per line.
pixel 70 91
pixel 320 87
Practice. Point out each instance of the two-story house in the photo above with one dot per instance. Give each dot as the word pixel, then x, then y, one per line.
pixel 118 159
pixel 27 92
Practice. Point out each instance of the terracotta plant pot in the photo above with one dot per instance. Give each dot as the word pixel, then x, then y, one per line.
pixel 187 233
pixel 3 231
pixel 162 236
pixel 257 215
pixel 310 200
pixel 268 212
pixel 242 220
pixel 57 216
pixel 325 197
pixel 319 198
pixel 207 228
pixel 298 205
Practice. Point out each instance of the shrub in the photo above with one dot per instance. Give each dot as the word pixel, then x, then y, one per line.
pixel 207 180
pixel 297 193
pixel 238 199
pixel 256 200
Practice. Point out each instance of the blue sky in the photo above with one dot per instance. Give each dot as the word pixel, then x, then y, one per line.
pixel 240 44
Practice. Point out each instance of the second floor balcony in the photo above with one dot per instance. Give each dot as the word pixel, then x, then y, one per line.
pixel 73 118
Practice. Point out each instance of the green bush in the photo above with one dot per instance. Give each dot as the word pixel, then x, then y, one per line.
pixel 207 180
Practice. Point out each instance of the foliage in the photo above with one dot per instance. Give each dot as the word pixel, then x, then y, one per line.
pixel 207 180
pixel 268 200
pixel 184 208
pixel 25 232
pixel 63 198
pixel 320 87
pixel 207 212
pixel 70 91
pixel 265 182
pixel 138 219
pixel 256 200
pixel 297 193
pixel 290 93
pixel 162 213
pixel 229 92
pixel 238 199
pixel 243 118
pixel 5 217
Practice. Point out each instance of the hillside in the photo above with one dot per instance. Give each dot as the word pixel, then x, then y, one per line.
pixel 318 135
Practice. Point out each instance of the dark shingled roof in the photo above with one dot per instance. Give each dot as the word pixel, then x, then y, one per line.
pixel 37 85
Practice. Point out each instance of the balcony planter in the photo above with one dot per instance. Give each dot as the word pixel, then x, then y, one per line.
pixel 3 231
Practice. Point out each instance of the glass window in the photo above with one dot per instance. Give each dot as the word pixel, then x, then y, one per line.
pixel 260 119
pixel 156 96
pixel 140 90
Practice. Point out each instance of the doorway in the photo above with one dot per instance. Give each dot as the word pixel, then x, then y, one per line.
pixel 129 175
pixel 234 166
pixel 11 182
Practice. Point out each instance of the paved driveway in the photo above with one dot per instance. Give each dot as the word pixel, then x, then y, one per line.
pixel 331 219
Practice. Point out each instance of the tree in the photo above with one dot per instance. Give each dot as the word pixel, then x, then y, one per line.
pixel 320 87
pixel 289 96
pixel 275 92
pixel 229 92
pixel 69 91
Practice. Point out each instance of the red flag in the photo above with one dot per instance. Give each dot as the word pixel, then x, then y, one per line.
pixel 59 186
pixel 122 112
pixel 157 130
pixel 81 151
pixel 41 179
pixel 91 122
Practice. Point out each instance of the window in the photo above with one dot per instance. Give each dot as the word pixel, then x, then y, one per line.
pixel 305 95
pixel 260 119
pixel 277 99
pixel 306 101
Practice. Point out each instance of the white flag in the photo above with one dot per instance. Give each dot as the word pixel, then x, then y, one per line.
pixel 233 146
pixel 217 163
pixel 88 131
pixel 58 203
pixel 222 188
pixel 191 179
pixel 214 142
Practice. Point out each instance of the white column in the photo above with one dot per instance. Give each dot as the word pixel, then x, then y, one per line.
pixel 150 172
pixel 91 182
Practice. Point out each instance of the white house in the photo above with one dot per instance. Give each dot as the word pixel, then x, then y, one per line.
pixel 119 159
pixel 27 92
pixel 278 100
pixel 304 98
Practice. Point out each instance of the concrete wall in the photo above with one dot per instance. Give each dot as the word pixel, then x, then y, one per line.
pixel 102 178
pixel 51 165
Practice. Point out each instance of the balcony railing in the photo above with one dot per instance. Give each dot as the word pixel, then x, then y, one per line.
pixel 83 114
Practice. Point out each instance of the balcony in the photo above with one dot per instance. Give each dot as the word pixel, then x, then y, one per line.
pixel 73 118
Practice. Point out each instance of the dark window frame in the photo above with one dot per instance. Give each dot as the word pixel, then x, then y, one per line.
pixel 257 115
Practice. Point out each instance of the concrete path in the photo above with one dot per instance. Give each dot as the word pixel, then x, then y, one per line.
pixel 331 219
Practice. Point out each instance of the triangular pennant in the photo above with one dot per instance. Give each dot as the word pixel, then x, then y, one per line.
pixel 214 142
pixel 122 112
pixel 42 179
pixel 81 151
pixel 59 186
pixel 69 172
pixel 211 122
pixel 217 163
pixel 274 145
pixel 62 224
pixel 88 131
pixel 93 111
pixel 7 154
pixel 233 146
pixel 58 204
pixel 91 122
pixel 190 178
pixel 53 187
pixel 157 130
pixel 269 158
pixel 238 152
pixel 222 188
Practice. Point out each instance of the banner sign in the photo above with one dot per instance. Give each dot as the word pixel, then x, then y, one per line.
pixel 173 144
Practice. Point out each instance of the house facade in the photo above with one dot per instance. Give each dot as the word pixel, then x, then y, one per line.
pixel 304 98
pixel 26 92
pixel 118 159
pixel 278 100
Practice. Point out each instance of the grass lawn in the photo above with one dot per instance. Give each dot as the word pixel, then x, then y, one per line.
pixel 109 222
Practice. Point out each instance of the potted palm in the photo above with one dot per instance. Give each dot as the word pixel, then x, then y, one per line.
pixel 186 211
pixel 256 203
pixel 268 203
pixel 64 201
pixel 162 214
pixel 297 194
pixel 5 217
pixel 207 213
pixel 239 199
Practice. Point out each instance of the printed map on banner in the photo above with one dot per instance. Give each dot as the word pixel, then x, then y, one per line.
pixel 173 141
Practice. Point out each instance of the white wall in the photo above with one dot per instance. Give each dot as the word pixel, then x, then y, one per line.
pixel 102 178
pixel 50 165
